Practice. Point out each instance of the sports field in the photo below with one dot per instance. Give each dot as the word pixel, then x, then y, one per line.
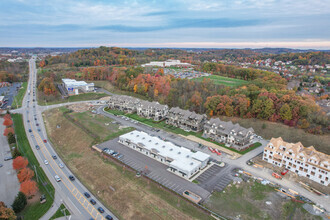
pixel 221 80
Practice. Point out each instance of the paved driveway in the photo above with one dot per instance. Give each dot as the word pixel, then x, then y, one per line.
pixel 9 185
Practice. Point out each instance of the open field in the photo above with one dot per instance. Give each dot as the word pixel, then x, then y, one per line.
pixel 248 201
pixel 19 97
pixel 74 98
pixel 36 210
pixel 126 195
pixel 60 212
pixel 176 130
pixel 221 80
pixel 289 134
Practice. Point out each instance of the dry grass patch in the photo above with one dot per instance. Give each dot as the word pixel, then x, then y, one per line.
pixel 127 196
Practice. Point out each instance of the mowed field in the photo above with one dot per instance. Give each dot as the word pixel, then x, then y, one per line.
pixel 221 80
pixel 268 129
pixel 120 190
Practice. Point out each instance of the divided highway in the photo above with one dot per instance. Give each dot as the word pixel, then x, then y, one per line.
pixel 69 192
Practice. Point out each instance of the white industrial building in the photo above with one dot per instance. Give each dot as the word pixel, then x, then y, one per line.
pixel 181 161
pixel 72 86
pixel 167 63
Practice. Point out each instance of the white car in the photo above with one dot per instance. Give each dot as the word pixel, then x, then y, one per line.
pixel 46 162
pixel 61 165
pixel 57 178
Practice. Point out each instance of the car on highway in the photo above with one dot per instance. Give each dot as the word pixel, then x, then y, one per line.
pixel 101 210
pixel 37 124
pixel 45 141
pixel 92 201
pixel 54 157
pixel 46 162
pixel 28 121
pixel 37 147
pixel 30 130
pixel 87 194
pixel 61 165
pixel 8 158
pixel 72 178
pixel 39 129
pixel 108 217
pixel 35 118
pixel 57 178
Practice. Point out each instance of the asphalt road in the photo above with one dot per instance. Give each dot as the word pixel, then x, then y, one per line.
pixel 9 185
pixel 68 192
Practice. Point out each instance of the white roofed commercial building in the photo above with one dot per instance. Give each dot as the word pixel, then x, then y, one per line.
pixel 72 86
pixel 167 63
pixel 181 161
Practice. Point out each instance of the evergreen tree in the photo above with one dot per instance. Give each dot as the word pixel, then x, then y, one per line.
pixel 19 202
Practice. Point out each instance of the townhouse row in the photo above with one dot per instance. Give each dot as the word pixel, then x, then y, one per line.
pixel 304 161
pixel 223 132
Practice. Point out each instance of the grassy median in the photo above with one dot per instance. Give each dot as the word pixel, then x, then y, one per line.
pixel 17 103
pixel 74 98
pixel 35 210
pixel 60 212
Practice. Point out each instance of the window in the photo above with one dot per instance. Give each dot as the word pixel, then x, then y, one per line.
pixel 313 173
pixel 308 175
pixel 322 181
pixel 320 176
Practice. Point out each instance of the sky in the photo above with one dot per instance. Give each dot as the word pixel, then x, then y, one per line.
pixel 303 24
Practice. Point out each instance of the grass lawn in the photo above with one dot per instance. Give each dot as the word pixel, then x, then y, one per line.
pixel 248 200
pixel 74 98
pixel 19 97
pixel 36 210
pixel 120 190
pixel 173 129
pixel 59 212
pixel 268 130
pixel 221 80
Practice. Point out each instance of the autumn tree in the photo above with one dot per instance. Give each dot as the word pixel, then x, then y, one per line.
pixel 8 130
pixel 7 122
pixel 285 112
pixel 29 188
pixel 25 174
pixel 6 213
pixel 19 202
pixel 20 163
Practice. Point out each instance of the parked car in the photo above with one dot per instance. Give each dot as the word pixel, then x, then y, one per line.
pixel 101 210
pixel 54 157
pixel 37 147
pixel 108 217
pixel 87 194
pixel 93 202
pixel 61 165
pixel 57 178
pixel 46 162
pixel 1 165
pixel 120 156
pixel 8 158
pixel 72 178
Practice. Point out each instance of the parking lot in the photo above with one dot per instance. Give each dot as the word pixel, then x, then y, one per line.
pixel 9 92
pixel 154 169
pixel 215 178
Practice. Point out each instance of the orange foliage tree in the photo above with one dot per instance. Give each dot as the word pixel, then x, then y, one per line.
pixel 8 130
pixel 29 188
pixel 25 174
pixel 20 163
pixel 7 122
pixel 6 213
pixel 7 116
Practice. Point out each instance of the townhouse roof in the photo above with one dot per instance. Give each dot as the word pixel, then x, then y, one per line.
pixel 227 127
pixel 186 114
pixel 154 105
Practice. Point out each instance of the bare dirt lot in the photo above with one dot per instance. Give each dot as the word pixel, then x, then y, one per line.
pixel 248 200
pixel 127 196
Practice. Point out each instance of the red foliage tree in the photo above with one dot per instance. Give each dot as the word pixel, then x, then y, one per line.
pixel 20 163
pixel 25 174
pixel 29 188
pixel 8 130
pixel 7 116
pixel 7 122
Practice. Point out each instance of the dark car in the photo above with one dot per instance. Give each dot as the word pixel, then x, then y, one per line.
pixel 30 130
pixel 35 118
pixel 101 210
pixel 108 217
pixel 37 147
pixel 93 201
pixel 28 120
pixel 39 129
pixel 87 195
pixel 54 157
pixel 72 178
pixel 37 124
